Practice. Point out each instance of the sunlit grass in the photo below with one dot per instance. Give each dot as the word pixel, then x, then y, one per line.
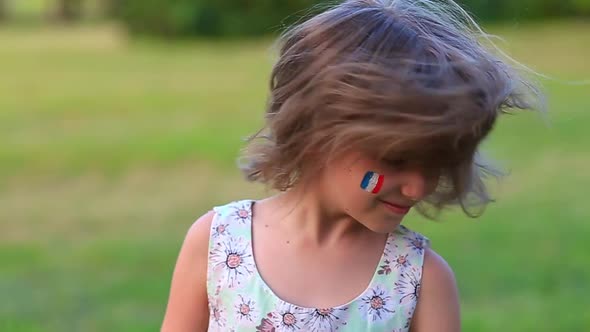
pixel 110 148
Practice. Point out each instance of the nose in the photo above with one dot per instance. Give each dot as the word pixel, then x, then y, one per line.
pixel 414 186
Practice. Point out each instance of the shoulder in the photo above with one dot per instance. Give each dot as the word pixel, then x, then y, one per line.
pixel 198 234
pixel 197 238
pixel 436 269
pixel 438 304
pixel 194 253
pixel 187 307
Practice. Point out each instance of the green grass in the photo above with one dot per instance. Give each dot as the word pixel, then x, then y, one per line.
pixel 110 148
pixel 34 12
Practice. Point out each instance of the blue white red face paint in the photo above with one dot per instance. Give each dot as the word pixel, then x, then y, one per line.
pixel 372 182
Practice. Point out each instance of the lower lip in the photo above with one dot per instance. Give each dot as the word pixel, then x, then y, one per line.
pixel 396 209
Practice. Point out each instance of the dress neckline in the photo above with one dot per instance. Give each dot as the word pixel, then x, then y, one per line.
pixel 368 290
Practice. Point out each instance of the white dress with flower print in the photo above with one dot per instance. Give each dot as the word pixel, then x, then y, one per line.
pixel 239 300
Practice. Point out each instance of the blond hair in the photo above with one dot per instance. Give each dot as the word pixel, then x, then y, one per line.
pixel 396 79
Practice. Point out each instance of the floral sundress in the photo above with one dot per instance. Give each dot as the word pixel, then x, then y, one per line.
pixel 239 300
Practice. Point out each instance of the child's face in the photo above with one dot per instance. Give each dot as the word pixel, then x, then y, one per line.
pixel 378 206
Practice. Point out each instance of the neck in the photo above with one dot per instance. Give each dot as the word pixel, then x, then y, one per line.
pixel 307 214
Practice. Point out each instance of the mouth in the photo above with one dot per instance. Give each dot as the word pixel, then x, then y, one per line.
pixel 396 208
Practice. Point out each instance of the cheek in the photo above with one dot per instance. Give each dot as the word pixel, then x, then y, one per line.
pixel 345 182
pixel 358 204
pixel 346 188
pixel 363 198
pixel 372 182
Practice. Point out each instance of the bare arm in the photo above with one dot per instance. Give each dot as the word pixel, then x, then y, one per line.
pixel 438 304
pixel 187 305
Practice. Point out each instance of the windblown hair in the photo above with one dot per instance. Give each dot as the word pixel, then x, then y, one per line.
pixel 395 79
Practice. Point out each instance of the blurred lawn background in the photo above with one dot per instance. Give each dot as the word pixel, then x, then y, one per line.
pixel 111 146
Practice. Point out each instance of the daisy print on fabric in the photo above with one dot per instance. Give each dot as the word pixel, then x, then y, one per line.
pixel 416 243
pixel 266 325
pixel 377 305
pixel 232 256
pixel 390 246
pixel 246 310
pixel 220 230
pixel 403 324
pixel 328 319
pixel 287 318
pixel 408 285
pixel 401 261
pixel 242 212
pixel 217 313
pixel 385 268
pixel 409 319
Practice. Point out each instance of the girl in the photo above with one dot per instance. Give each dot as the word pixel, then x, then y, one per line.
pixel 376 107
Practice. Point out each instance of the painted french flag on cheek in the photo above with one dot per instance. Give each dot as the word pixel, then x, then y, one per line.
pixel 372 182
